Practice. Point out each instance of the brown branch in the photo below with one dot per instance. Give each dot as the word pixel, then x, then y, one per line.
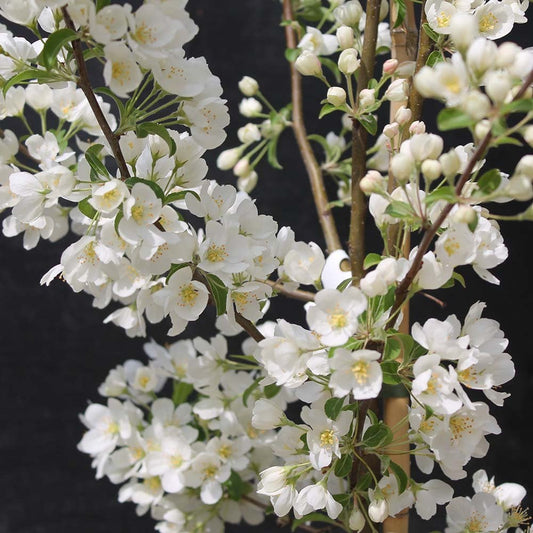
pixel 249 327
pixel 359 143
pixel 85 85
pixel 295 294
pixel 312 167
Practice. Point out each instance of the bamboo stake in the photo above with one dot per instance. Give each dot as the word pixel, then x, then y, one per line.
pixel 395 410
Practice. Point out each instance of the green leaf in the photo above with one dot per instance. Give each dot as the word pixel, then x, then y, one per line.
pixel 332 66
pixel 343 499
pixel 399 209
pixel 87 209
pixel 365 482
pixel 401 10
pixel 25 76
pixel 114 97
pixel 446 193
pixel 177 196
pixel 173 269
pixel 371 260
pixel 344 465
pixel 48 56
pixel 400 475
pixel 456 276
pixel 291 54
pixel 507 140
pixel 369 122
pixel 272 155
pixel 158 191
pixel 271 390
pixel 333 407
pixel 91 156
pixel 453 119
pixel 377 436
pixel 390 372
pixel 181 392
pixel 146 128
pixel 345 283
pixel 118 218
pixel 434 58
pixel 392 350
pixel 236 487
pixel 490 181
pixel 524 105
pixel 432 34
pixel 101 4
pixel 473 225
pixel 219 292
pixel 327 109
pixel 312 517
pixel 249 390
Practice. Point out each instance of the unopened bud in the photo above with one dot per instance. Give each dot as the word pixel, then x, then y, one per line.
pixel 431 169
pixel 308 64
pixel 248 86
pixel 345 37
pixel 519 187
pixel 378 510
pixel 249 133
pixel 390 66
pixel 397 91
pixel 348 61
pixel 367 97
pixel 476 105
pixel 465 214
pixel 417 127
pixel 506 54
pixel 242 168
pixel 372 182
pixel 481 129
pixel 270 129
pixel 249 107
pixel 463 29
pixel 497 85
pixel 402 166
pixel 450 163
pixel 228 158
pixel 349 14
pixel 391 130
pixel 336 96
pixel 525 166
pixel 347 121
pixel 403 115
pixel 248 182
pixel 357 521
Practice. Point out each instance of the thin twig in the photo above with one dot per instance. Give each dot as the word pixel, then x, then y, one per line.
pixel 359 143
pixel 403 288
pixel 312 167
pixel 434 299
pixel 85 85
pixel 249 327
pixel 295 294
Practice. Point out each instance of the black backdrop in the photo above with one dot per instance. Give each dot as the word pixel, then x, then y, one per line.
pixel 55 351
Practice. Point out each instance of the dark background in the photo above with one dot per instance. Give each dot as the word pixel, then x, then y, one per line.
pixel 55 351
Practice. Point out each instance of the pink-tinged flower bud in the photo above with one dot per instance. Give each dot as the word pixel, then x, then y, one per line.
pixel 431 169
pixel 378 510
pixel 397 91
pixel 390 66
pixel 391 130
pixel 336 96
pixel 527 133
pixel 403 115
pixel 450 162
pixel 348 61
pixel 248 86
pixel 372 182
pixel 465 214
pixel 242 168
pixel 417 127
pixel 228 158
pixel 402 166
pixel 345 37
pixel 367 97
pixel 308 64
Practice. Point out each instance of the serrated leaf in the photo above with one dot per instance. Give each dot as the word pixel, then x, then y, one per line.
pixel 219 292
pixel 48 56
pixel 432 34
pixel 434 58
pixel 377 436
pixel 399 209
pixel 180 392
pixel 344 465
pixel 369 122
pixel 146 128
pixel 177 196
pixel 390 372
pixel 400 475
pixel 91 156
pixel 158 191
pixel 453 119
pixel 272 153
pixel 490 181
pixel 327 109
pixel 173 269
pixel 401 10
pixel 291 54
pixel 312 517
pixel 87 209
pixel 371 260
pixel 333 407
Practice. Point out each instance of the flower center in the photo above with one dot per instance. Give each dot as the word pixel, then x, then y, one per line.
pixel 460 424
pixel 327 438
pixel 137 212
pixel 443 20
pixel 488 22
pixel 225 451
pixel 360 371
pixel 188 294
pixel 210 471
pixel 216 254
